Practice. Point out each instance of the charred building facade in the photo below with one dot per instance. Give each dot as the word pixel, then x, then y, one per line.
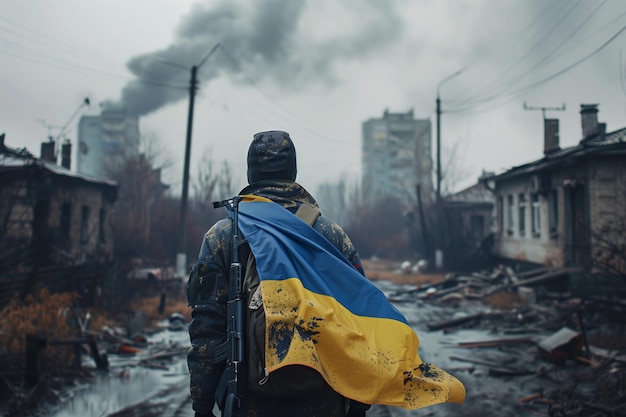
pixel 51 215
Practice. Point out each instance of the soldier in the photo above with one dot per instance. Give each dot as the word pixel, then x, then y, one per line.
pixel 271 174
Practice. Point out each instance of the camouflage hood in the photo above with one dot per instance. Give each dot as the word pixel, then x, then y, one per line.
pixel 288 194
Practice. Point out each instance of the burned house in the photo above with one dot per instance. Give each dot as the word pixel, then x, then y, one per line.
pixel 467 218
pixel 560 210
pixel 51 216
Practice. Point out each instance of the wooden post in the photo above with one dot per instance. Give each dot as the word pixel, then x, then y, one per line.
pixel 34 345
pixel 162 303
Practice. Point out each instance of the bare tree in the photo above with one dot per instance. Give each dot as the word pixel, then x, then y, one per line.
pixel 140 192
pixel 380 229
pixel 206 181
pixel 226 181
pixel 338 199
pixel 609 243
pixel 453 171
pixel 209 185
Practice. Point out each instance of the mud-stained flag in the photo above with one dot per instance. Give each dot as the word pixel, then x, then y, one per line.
pixel 321 312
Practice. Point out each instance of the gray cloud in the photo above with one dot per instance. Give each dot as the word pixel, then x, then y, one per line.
pixel 264 41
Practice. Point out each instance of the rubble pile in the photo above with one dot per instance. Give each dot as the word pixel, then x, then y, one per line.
pixel 561 355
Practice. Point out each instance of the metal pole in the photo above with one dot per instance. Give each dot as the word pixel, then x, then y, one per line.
pixel 438 148
pixel 181 259
pixel 438 250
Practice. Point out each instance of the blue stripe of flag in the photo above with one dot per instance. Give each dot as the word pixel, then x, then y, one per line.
pixel 286 247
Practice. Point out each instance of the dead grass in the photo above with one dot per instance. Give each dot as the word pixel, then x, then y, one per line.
pixel 41 314
pixel 51 316
pixel 150 307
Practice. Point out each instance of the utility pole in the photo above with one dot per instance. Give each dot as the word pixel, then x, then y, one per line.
pixel 181 257
pixel 438 250
pixel 438 148
pixel 438 102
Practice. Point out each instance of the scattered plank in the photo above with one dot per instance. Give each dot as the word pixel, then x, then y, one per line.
pixel 496 342
pixel 454 322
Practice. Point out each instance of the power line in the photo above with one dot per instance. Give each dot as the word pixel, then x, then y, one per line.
pixel 621 72
pixel 503 78
pixel 37 56
pixel 538 65
pixel 77 68
pixel 532 85
pixel 44 40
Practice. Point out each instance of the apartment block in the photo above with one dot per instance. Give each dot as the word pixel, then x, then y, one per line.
pixel 396 157
pixel 106 139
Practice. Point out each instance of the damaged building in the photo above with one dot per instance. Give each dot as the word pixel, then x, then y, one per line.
pixel 560 210
pixel 52 219
pixel 105 140
pixel 396 156
pixel 467 217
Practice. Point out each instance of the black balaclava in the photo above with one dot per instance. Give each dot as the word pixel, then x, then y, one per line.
pixel 271 156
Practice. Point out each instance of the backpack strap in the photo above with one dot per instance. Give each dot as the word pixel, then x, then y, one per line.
pixel 308 213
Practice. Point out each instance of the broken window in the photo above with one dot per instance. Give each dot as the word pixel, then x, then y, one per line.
pixel 65 217
pixel 101 229
pixel 84 225
pixel 522 214
pixel 509 216
pixel 477 227
pixel 535 215
pixel 500 208
pixel 553 213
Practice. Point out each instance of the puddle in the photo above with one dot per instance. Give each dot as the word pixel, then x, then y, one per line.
pixel 161 386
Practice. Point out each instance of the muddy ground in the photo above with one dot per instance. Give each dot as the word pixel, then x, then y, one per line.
pixel 496 356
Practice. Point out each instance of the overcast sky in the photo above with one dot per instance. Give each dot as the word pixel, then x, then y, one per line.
pixel 317 69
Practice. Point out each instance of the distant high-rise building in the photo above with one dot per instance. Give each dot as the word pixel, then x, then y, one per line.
pixel 105 140
pixel 396 152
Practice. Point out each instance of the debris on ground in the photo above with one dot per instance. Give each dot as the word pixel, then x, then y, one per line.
pixel 569 351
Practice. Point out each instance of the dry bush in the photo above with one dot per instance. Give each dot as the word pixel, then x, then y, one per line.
pixel 42 314
pixel 173 304
pixel 52 317
pixel 100 319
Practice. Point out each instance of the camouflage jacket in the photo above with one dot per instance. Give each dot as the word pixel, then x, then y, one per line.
pixel 207 292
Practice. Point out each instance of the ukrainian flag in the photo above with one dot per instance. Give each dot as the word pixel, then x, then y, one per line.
pixel 322 313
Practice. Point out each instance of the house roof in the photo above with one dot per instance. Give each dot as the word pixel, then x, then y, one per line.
pixel 607 142
pixel 477 193
pixel 13 161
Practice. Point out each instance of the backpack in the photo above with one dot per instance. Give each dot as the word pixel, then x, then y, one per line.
pixel 289 381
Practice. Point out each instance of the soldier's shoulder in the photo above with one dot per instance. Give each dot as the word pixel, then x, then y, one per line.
pixel 328 227
pixel 219 230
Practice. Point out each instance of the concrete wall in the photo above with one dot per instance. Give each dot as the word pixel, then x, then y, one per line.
pixel 587 193
pixel 607 191
pixel 396 157
pixel 89 237
pixel 540 246
pixel 38 203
